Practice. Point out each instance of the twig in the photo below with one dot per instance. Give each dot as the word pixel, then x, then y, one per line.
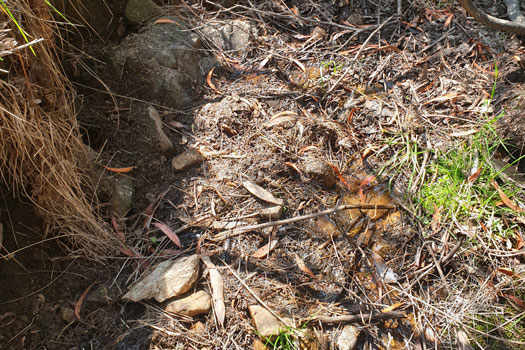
pixel 237 231
pixel 363 318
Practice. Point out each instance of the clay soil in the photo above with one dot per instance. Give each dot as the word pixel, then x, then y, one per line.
pixel 424 75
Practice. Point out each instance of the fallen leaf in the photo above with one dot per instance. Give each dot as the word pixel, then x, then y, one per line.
pixel 209 82
pixel 169 233
pixel 474 175
pixel 294 167
pixel 339 176
pixel 448 20
pixel 392 307
pixel 80 301
pixel 281 118
pixel 261 193
pixel 302 266
pixel 265 250
pixel 164 20
pixel 507 272
pixel 520 243
pixel 217 288
pixel 127 251
pixel 365 182
pixel 508 202
pixel 120 234
pixel 120 170
pixel 519 302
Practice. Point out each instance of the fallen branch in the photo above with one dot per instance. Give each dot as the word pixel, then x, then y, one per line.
pixel 363 318
pixel 490 21
pixel 237 231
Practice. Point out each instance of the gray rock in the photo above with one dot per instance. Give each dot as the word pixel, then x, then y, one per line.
pixel 140 11
pixel 122 195
pixel 160 65
pixel 347 339
pixel 169 279
pixel 195 304
pixel 234 35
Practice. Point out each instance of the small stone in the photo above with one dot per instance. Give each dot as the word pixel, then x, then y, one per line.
pixel 347 340
pixel 140 11
pixel 198 327
pixel 272 213
pixel 259 345
pixel 99 295
pixel 321 171
pixel 233 35
pixel 122 196
pixel 67 314
pixel 195 304
pixel 187 159
pixel 266 323
pixel 169 279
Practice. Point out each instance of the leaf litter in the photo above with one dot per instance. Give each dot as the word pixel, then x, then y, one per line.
pixel 368 92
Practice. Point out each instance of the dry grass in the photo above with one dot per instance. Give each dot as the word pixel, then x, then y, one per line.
pixel 42 155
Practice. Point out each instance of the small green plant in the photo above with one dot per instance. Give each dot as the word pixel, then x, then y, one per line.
pixel 283 341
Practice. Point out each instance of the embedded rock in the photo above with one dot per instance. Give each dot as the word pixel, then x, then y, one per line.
pixel 169 279
pixel 195 304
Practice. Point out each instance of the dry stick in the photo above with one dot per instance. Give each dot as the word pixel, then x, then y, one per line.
pixel 236 231
pixel 259 300
pixel 373 316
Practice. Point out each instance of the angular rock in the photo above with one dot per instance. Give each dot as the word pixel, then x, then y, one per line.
pixel 272 213
pixel 169 279
pixel 347 339
pixel 186 159
pixel 234 35
pixel 122 196
pixel 161 65
pixel 318 169
pixel 195 304
pixel 140 11
pixel 266 323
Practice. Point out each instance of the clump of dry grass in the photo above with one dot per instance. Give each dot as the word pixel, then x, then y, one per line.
pixel 42 155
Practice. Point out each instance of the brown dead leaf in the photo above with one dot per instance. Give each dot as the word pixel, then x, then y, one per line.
pixel 261 193
pixel 302 266
pixel 392 307
pixel 209 82
pixel 507 272
pixel 169 233
pixel 365 182
pixel 448 20
pixel 265 250
pixel 508 202
pixel 119 233
pixel 164 20
pixel 120 170
pixel 519 302
pixel 474 175
pixel 281 118
pixel 520 243
pixel 339 176
pixel 80 301
pixel 294 167
pixel 217 288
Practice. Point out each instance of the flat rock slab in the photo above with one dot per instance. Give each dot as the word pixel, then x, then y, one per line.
pixel 187 159
pixel 195 304
pixel 169 279
pixel 233 35
pixel 266 323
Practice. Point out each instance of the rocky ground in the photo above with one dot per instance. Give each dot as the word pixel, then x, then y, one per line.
pixel 270 170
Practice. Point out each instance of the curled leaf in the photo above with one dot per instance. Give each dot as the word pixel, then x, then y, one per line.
pixel 80 301
pixel 265 250
pixel 120 170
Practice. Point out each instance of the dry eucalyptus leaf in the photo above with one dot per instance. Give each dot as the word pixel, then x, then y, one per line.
pixel 217 288
pixel 261 193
